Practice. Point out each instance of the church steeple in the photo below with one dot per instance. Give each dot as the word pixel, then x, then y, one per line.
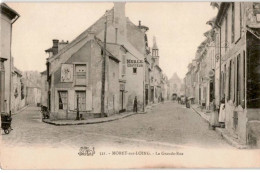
pixel 155 51
pixel 155 48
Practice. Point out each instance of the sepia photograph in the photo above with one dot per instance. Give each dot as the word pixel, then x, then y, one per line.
pixel 129 85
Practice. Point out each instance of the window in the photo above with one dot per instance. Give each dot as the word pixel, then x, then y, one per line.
pixel 135 70
pixel 233 22
pixel 226 33
pixel 238 76
pixel 81 70
pixel 224 77
pixel 63 100
pixel 81 97
pixel 22 90
pixel 253 73
pixel 234 81
pixel 237 21
pixel 231 80
pixel 241 80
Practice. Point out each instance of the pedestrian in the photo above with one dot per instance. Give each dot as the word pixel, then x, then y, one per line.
pixel 222 114
pixel 135 104
pixel 213 121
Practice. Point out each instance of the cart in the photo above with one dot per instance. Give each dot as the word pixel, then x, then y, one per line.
pixel 6 120
pixel 45 112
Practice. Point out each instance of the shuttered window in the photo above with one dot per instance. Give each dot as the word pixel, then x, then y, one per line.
pixel 233 22
pixel 81 96
pixel 81 74
pixel 63 100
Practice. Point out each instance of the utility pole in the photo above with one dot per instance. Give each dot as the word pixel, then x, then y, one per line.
pixel 220 66
pixel 104 71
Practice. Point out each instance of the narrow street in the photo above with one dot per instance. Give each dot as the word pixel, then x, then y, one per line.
pixel 166 125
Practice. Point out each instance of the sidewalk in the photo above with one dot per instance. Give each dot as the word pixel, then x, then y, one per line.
pixel 90 121
pixel 230 138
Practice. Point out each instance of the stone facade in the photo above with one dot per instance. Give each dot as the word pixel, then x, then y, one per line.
pixel 18 90
pixel 228 61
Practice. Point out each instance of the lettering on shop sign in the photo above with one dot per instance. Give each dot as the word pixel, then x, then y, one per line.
pixel 134 63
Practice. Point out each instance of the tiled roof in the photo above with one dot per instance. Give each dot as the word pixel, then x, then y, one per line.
pixel 8 11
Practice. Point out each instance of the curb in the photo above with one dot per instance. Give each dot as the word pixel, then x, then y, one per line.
pixel 230 140
pixel 89 122
pixel 224 135
pixel 200 114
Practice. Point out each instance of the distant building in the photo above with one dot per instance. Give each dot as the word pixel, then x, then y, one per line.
pixel 44 88
pixel 175 85
pixel 32 81
pixel 8 17
pixel 226 69
pixel 18 90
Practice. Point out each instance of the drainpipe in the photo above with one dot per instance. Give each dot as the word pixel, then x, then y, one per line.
pixel 10 89
pixel 219 64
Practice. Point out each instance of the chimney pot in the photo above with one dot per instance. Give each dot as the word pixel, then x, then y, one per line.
pixel 55 46
pixel 139 22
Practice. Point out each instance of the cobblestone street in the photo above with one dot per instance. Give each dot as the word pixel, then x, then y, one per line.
pixel 166 125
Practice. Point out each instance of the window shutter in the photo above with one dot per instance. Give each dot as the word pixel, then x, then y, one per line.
pixel 71 100
pixel 81 72
pixel 89 100
pixel 237 20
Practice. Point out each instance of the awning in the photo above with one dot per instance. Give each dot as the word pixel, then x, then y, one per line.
pixel 254 31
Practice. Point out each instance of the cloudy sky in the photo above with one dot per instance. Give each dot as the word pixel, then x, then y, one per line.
pixel 178 28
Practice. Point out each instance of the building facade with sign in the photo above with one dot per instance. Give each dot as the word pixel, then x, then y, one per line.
pixel 74 71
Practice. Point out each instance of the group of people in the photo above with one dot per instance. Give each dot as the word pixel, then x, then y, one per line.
pixel 218 117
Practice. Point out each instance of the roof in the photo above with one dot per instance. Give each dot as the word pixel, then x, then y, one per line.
pixel 11 13
pixel 254 31
pixel 154 43
pixel 109 54
pixel 17 71
pixel 222 10
pixel 49 50
pixel 95 30
pixel 158 67
pixel 2 59
pixel 211 21
pixel 44 72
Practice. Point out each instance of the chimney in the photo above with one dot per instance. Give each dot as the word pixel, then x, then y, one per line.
pixel 139 22
pixel 120 18
pixel 62 44
pixel 55 46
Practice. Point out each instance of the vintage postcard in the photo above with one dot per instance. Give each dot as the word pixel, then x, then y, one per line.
pixel 130 85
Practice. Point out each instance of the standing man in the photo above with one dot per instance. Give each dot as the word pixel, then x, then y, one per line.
pixel 135 104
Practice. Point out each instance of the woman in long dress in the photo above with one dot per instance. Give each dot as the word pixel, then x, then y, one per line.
pixel 213 121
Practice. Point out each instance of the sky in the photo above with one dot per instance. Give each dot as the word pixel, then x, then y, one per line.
pixel 177 26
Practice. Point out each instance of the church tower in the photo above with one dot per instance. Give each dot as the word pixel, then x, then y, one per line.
pixel 155 52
